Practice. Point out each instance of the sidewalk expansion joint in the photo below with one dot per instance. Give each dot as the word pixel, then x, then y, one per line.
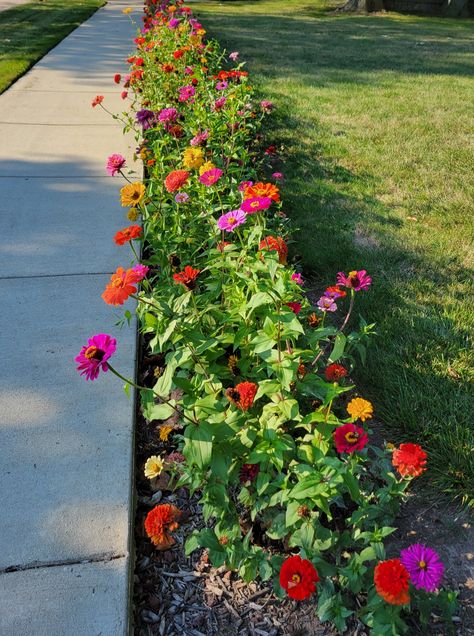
pixel 37 565
pixel 55 275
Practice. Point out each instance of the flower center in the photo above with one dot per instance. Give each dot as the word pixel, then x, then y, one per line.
pixel 254 204
pixel 422 565
pixel 93 353
pixel 295 580
pixel 351 437
pixel 118 282
pixel 232 220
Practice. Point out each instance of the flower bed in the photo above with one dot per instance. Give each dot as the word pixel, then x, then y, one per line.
pixel 249 380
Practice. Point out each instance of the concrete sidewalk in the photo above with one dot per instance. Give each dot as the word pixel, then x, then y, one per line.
pixel 65 444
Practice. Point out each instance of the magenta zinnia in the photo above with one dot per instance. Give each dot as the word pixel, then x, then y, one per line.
pixel 355 280
pixel 231 220
pixel 424 566
pixel 94 355
pixel 210 177
pixel 255 204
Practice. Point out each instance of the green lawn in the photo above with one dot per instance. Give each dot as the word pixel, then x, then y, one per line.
pixel 376 114
pixel 29 31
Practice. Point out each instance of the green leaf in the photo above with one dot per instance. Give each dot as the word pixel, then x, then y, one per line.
pixel 338 349
pixel 198 446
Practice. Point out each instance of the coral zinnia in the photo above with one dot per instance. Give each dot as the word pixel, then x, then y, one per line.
pixel 271 243
pixel 391 581
pixel 262 190
pixel 115 163
pixel 298 577
pixel 97 100
pixel 349 438
pixel 355 280
pixel 132 194
pixel 334 372
pixel 360 409
pixel 121 285
pixel 176 180
pixel 94 355
pixel 159 522
pixel 242 395
pixel 409 459
pixel 127 234
pixel 187 277
pixel 424 566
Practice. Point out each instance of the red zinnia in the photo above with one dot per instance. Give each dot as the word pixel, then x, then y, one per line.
pixel 127 234
pixel 160 522
pixel 97 100
pixel 409 460
pixel 117 78
pixel 349 438
pixel 391 582
pixel 334 372
pixel 248 472
pixel 121 285
pixel 187 277
pixel 275 243
pixel 298 577
pixel 176 180
pixel 295 307
pixel 242 395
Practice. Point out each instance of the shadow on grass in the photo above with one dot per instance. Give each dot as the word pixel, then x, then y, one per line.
pixel 409 373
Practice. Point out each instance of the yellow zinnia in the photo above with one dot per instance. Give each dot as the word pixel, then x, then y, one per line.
pixel 132 194
pixel 360 409
pixel 127 10
pixel 153 466
pixel 206 166
pixel 165 433
pixel 193 157
pixel 132 214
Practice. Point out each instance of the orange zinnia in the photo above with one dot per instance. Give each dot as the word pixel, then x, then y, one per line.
pixel 262 190
pixel 271 243
pixel 121 285
pixel 127 234
pixel 159 522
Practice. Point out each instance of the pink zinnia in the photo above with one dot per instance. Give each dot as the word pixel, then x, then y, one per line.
pixel 167 115
pixel 94 355
pixel 278 176
pixel 233 56
pixel 355 280
pixel 115 163
pixel 255 204
pixel 326 304
pixel 349 438
pixel 210 177
pixel 141 270
pixel 199 139
pixel 186 92
pixel 219 104
pixel 231 220
pixel 266 106
pixel 244 185
pixel 297 278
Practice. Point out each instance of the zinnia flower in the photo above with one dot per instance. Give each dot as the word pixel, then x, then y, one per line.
pixel 297 278
pixel 167 115
pixel 326 304
pixel 298 577
pixel 199 139
pixel 97 100
pixel 181 197
pixel 115 163
pixel 117 78
pixel 335 292
pixel 186 92
pixel 272 243
pixel 262 190
pixel 410 460
pixel 266 106
pixel 176 180
pixel 249 472
pixel 219 104
pixel 164 432
pixel 231 220
pixel 127 234
pixel 94 355
pixel 391 582
pixel 355 280
pixel 221 86
pixel 132 194
pixel 295 307
pixel 334 372
pixel 121 285
pixel 360 409
pixel 153 466
pixel 233 56
pixel 159 522
pixel 424 566
pixel 193 157
pixel 146 118
pixel 187 277
pixel 242 395
pixel 255 204
pixel 141 271
pixel 244 185
pixel 349 438
pixel 210 177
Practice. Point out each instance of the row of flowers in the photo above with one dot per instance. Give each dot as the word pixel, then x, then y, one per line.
pixel 251 383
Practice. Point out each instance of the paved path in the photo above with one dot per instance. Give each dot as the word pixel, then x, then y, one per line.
pixel 65 444
pixel 8 4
